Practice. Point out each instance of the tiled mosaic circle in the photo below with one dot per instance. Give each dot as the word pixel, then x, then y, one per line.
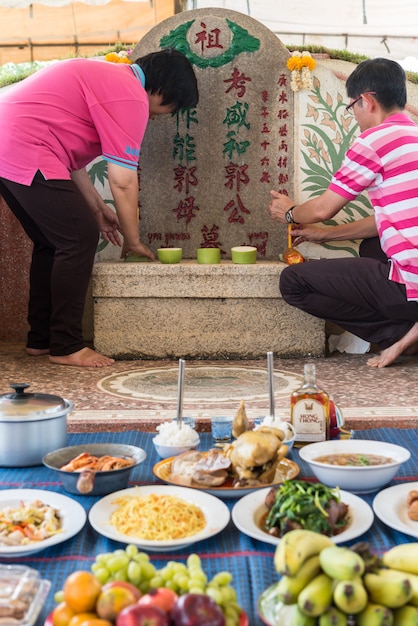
pixel 210 384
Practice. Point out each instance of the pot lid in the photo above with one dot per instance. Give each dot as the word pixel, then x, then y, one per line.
pixel 18 404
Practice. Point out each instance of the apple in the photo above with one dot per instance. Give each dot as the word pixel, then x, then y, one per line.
pixel 123 583
pixel 163 597
pixel 197 609
pixel 145 615
pixel 113 600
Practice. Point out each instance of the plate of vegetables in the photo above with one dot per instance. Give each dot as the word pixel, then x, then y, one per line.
pixel 301 504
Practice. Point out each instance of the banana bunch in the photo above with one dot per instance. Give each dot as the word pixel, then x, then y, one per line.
pixel 330 585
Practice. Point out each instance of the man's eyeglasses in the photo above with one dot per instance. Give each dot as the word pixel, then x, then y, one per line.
pixel 366 93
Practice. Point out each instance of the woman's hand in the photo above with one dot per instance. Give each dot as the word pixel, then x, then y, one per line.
pixel 140 249
pixel 109 225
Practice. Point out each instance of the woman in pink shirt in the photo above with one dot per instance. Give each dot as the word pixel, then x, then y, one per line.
pixel 52 125
pixel 373 298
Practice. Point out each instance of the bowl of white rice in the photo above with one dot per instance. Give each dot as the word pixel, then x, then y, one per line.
pixel 276 422
pixel 173 440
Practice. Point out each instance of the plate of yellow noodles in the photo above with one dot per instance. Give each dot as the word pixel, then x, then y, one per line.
pixel 159 518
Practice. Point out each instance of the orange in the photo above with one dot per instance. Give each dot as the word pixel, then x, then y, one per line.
pixel 81 590
pixel 62 614
pixel 79 618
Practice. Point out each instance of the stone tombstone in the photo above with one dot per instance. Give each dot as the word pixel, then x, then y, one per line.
pixel 205 175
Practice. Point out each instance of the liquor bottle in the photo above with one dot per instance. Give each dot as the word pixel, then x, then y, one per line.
pixel 310 410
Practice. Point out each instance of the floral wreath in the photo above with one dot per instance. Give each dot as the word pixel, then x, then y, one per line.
pixel 119 57
pixel 301 64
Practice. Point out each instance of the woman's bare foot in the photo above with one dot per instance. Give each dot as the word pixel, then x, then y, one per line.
pixel 407 345
pixel 83 358
pixel 37 351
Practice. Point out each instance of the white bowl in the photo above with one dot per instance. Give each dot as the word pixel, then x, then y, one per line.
pixel 357 479
pixel 166 450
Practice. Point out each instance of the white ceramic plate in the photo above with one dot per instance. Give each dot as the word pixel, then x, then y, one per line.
pixel 286 470
pixel 248 511
pixel 73 518
pixel 216 512
pixel 390 507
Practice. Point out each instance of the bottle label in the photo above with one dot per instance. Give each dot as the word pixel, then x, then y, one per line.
pixel 309 420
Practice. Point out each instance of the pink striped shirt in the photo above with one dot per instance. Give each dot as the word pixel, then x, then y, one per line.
pixel 384 161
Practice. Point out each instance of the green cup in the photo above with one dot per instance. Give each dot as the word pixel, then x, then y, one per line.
pixel 208 256
pixel 244 255
pixel 169 255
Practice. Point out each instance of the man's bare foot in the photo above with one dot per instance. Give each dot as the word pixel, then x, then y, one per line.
pixel 83 358
pixel 37 351
pixel 407 345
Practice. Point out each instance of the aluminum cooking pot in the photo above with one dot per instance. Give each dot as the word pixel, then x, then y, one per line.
pixel 31 425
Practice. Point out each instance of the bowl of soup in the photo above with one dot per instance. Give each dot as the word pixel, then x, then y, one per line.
pixel 356 465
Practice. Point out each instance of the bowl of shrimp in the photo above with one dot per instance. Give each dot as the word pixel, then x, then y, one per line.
pixel 94 469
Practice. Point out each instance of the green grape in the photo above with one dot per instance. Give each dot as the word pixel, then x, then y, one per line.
pixel 156 581
pixel 193 560
pixel 196 589
pixel 199 577
pixel 222 578
pixel 59 596
pixel 144 586
pixel 215 594
pixel 134 572
pixel 141 557
pixel 121 574
pixel 148 569
pixel 103 557
pixel 131 550
pixel 229 595
pixel 182 581
pixel 117 562
pixel 102 573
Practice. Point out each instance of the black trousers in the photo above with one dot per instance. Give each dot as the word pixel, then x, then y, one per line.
pixel 354 293
pixel 56 217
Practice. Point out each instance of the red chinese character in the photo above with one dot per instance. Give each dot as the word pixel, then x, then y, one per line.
pixel 283 146
pixel 265 128
pixel 237 173
pixel 283 114
pixel 283 97
pixel 264 95
pixel 237 82
pixel 264 112
pixel 265 145
pixel 282 162
pixel 237 210
pixel 184 177
pixel 265 177
pixel 282 82
pixel 283 179
pixel 283 131
pixel 186 210
pixel 210 237
pixel 265 161
pixel 208 39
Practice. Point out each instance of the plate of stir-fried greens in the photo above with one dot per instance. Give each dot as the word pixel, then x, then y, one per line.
pixel 268 514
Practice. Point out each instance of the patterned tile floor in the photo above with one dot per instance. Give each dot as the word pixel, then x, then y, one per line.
pixel 140 394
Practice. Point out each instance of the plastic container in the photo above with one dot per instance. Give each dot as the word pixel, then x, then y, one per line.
pixel 22 594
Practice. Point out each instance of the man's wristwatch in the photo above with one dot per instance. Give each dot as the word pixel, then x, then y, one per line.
pixel 289 215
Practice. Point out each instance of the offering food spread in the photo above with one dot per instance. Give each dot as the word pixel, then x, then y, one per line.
pixel 249 560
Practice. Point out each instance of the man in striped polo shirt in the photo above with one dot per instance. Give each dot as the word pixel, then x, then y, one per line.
pixel 374 299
